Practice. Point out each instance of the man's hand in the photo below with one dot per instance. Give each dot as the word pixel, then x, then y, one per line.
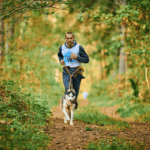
pixel 73 56
pixel 62 62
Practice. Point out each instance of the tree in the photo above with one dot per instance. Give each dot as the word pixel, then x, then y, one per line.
pixel 12 11
pixel 1 32
pixel 134 19
pixel 131 19
pixel 123 56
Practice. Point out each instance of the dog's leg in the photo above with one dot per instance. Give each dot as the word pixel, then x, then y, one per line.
pixel 66 114
pixel 71 120
pixel 69 112
pixel 72 114
pixel 65 119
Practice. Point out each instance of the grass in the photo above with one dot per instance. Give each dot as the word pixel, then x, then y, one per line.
pixel 130 106
pixel 88 129
pixel 135 108
pixel 94 116
pixel 100 96
pixel 113 143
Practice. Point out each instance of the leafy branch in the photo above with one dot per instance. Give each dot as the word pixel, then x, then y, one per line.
pixel 34 4
pixel 11 13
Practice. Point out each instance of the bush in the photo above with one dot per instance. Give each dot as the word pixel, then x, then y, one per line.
pixel 21 118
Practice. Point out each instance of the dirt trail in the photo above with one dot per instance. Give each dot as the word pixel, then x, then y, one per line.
pixel 112 112
pixel 66 137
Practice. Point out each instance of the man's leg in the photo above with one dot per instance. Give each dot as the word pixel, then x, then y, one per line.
pixel 66 81
pixel 76 86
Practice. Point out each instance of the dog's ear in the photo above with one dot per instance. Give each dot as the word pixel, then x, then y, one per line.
pixel 68 90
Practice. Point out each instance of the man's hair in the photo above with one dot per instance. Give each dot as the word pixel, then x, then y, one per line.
pixel 69 33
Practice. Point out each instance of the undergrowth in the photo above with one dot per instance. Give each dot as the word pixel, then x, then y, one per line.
pixel 112 143
pixel 133 107
pixel 94 116
pixel 33 63
pixel 102 95
pixel 21 118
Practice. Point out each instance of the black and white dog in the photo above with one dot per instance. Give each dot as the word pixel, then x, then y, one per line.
pixel 67 105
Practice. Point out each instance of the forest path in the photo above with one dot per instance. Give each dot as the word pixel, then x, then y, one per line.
pixel 112 112
pixel 76 137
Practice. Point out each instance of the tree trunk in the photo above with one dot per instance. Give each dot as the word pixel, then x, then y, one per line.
pixel 11 36
pixel 1 33
pixel 123 56
pixel 12 29
pixel 122 63
pixel 1 39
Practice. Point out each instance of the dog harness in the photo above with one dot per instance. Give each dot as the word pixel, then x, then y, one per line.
pixel 77 71
pixel 72 65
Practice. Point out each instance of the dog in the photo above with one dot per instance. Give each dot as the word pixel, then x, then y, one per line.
pixel 67 105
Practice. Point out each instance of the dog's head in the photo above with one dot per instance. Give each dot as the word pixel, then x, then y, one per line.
pixel 70 95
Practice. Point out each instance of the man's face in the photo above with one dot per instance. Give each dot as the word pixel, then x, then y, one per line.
pixel 69 39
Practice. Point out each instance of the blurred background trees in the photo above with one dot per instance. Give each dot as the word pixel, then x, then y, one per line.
pixel 126 34
pixel 114 33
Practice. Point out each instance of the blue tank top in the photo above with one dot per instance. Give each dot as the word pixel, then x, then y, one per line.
pixel 66 52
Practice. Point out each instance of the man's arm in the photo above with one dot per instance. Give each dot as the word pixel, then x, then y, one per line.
pixel 82 57
pixel 60 56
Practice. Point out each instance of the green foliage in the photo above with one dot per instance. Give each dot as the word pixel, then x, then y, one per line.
pixel 134 109
pixel 88 129
pixel 33 59
pixel 86 5
pixel 82 5
pixel 94 116
pixel 123 26
pixel 14 11
pixel 146 118
pixel 80 18
pixel 135 87
pixel 16 136
pixel 135 16
pixel 92 146
pixel 100 93
pixel 115 45
pixel 115 144
pixel 109 67
pixel 21 118
pixel 11 8
pixel 130 105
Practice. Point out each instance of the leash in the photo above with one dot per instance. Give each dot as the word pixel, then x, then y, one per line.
pixel 77 71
